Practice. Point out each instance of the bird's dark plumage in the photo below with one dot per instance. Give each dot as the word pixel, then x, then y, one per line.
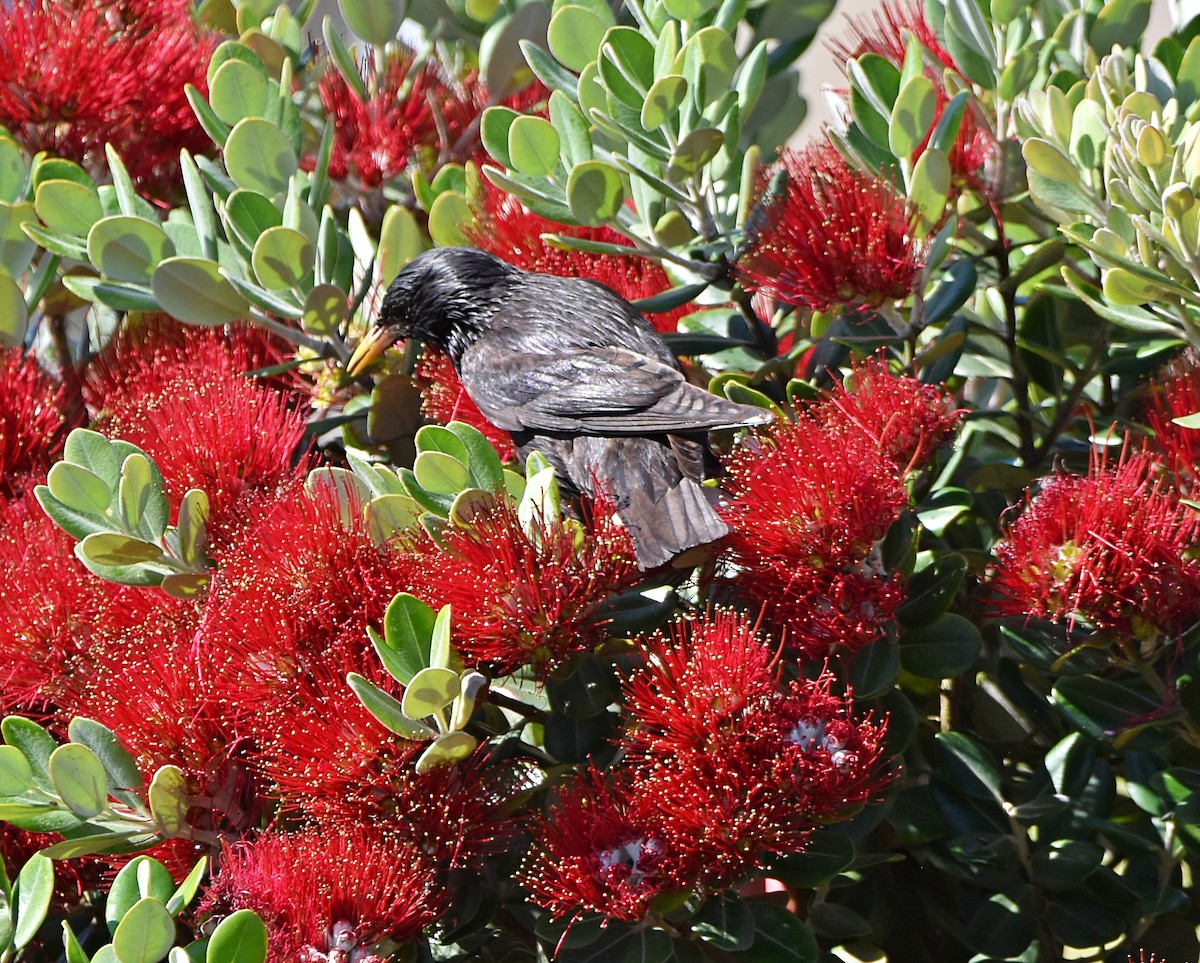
pixel 572 370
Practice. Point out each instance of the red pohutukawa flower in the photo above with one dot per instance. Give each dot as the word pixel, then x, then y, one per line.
pixel 444 399
pixel 594 853
pixel 377 138
pixel 838 237
pixel 886 31
pixel 209 428
pixel 1112 548
pixel 756 769
pixel 807 505
pixel 50 56
pixel 508 229
pixel 1177 395
pixel 521 599
pixel 906 419
pixel 49 608
pixel 31 421
pixel 326 893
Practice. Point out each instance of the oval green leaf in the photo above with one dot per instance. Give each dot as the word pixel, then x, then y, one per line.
pixel 16 776
pixel 238 90
pixel 14 318
pixel 13 172
pixel 79 779
pixel 128 248
pixel 78 488
pixel 431 690
pixel 16 247
pixel 259 156
pixel 912 116
pixel 240 938
pixel 595 193
pixel 139 878
pixel 441 473
pixel 282 257
pixel 376 21
pixel 324 310
pixel 574 36
pixel 67 207
pixel 447 215
pixel 31 896
pixel 533 146
pixel 192 290
pixel 663 100
pixel 446 750
pixel 168 797
pixel 113 548
pixel 145 934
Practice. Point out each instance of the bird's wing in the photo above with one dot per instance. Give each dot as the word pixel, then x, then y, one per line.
pixel 599 391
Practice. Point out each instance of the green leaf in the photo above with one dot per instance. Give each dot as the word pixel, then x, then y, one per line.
pixel 135 493
pixel 16 246
pixel 573 130
pixel 440 473
pixel 240 938
pixel 726 923
pixel 482 460
pixel 969 40
pixel 501 61
pixel 1005 924
pixel 73 951
pixel 112 548
pixel 1099 707
pixel 929 187
pixel 1064 864
pixel 693 152
pixel 67 207
pixel 79 779
pixel 387 515
pixel 387 709
pixel 586 691
pixel 16 776
pixel 237 90
pixel 969 766
pixel 259 156
pixel 249 214
pixel 533 146
pixel 447 215
pixel 169 801
pixel 31 898
pixel 548 71
pixel 595 193
pixel 446 750
pixel 14 318
pixel 940 650
pixel 429 692
pixel 574 36
pixel 14 172
pixel 626 66
pixel 408 630
pixel 145 934
pixel 1054 178
pixel 78 488
pixel 324 310
pixel 282 258
pixel 875 668
pixel 141 877
pixel 376 21
pixel 35 743
pixel 663 100
pixel 931 590
pixel 494 126
pixel 709 63
pixel 1119 24
pixel 193 290
pixel 779 936
pixel 119 766
pixel 187 890
pixel 912 116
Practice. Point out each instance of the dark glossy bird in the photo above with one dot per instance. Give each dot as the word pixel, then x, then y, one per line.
pixel 572 370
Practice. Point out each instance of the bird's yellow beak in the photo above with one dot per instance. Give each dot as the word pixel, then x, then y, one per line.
pixel 373 344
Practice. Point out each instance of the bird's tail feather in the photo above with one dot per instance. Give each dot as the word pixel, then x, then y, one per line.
pixel 663 528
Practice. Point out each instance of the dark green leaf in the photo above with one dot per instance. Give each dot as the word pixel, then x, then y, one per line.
pixel 969 766
pixel 941 649
pixel 240 938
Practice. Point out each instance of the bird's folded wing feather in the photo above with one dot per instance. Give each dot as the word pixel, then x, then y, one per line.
pixel 603 391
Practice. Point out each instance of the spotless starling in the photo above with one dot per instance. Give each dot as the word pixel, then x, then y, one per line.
pixel 572 370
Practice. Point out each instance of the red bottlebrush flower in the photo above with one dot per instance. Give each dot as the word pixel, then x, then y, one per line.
pixel 211 429
pixel 1177 395
pixel 377 138
pixel 293 595
pixel 1112 549
pixel 837 237
pixel 707 672
pixel 886 34
pixel 593 853
pixel 807 505
pixel 506 228
pixel 50 55
pixel 521 600
pixel 332 892
pixel 144 359
pixel 907 420
pixel 31 421
pixel 49 608
pixel 756 769
pixel 444 399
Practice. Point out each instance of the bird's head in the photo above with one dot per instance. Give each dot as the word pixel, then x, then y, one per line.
pixel 443 297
